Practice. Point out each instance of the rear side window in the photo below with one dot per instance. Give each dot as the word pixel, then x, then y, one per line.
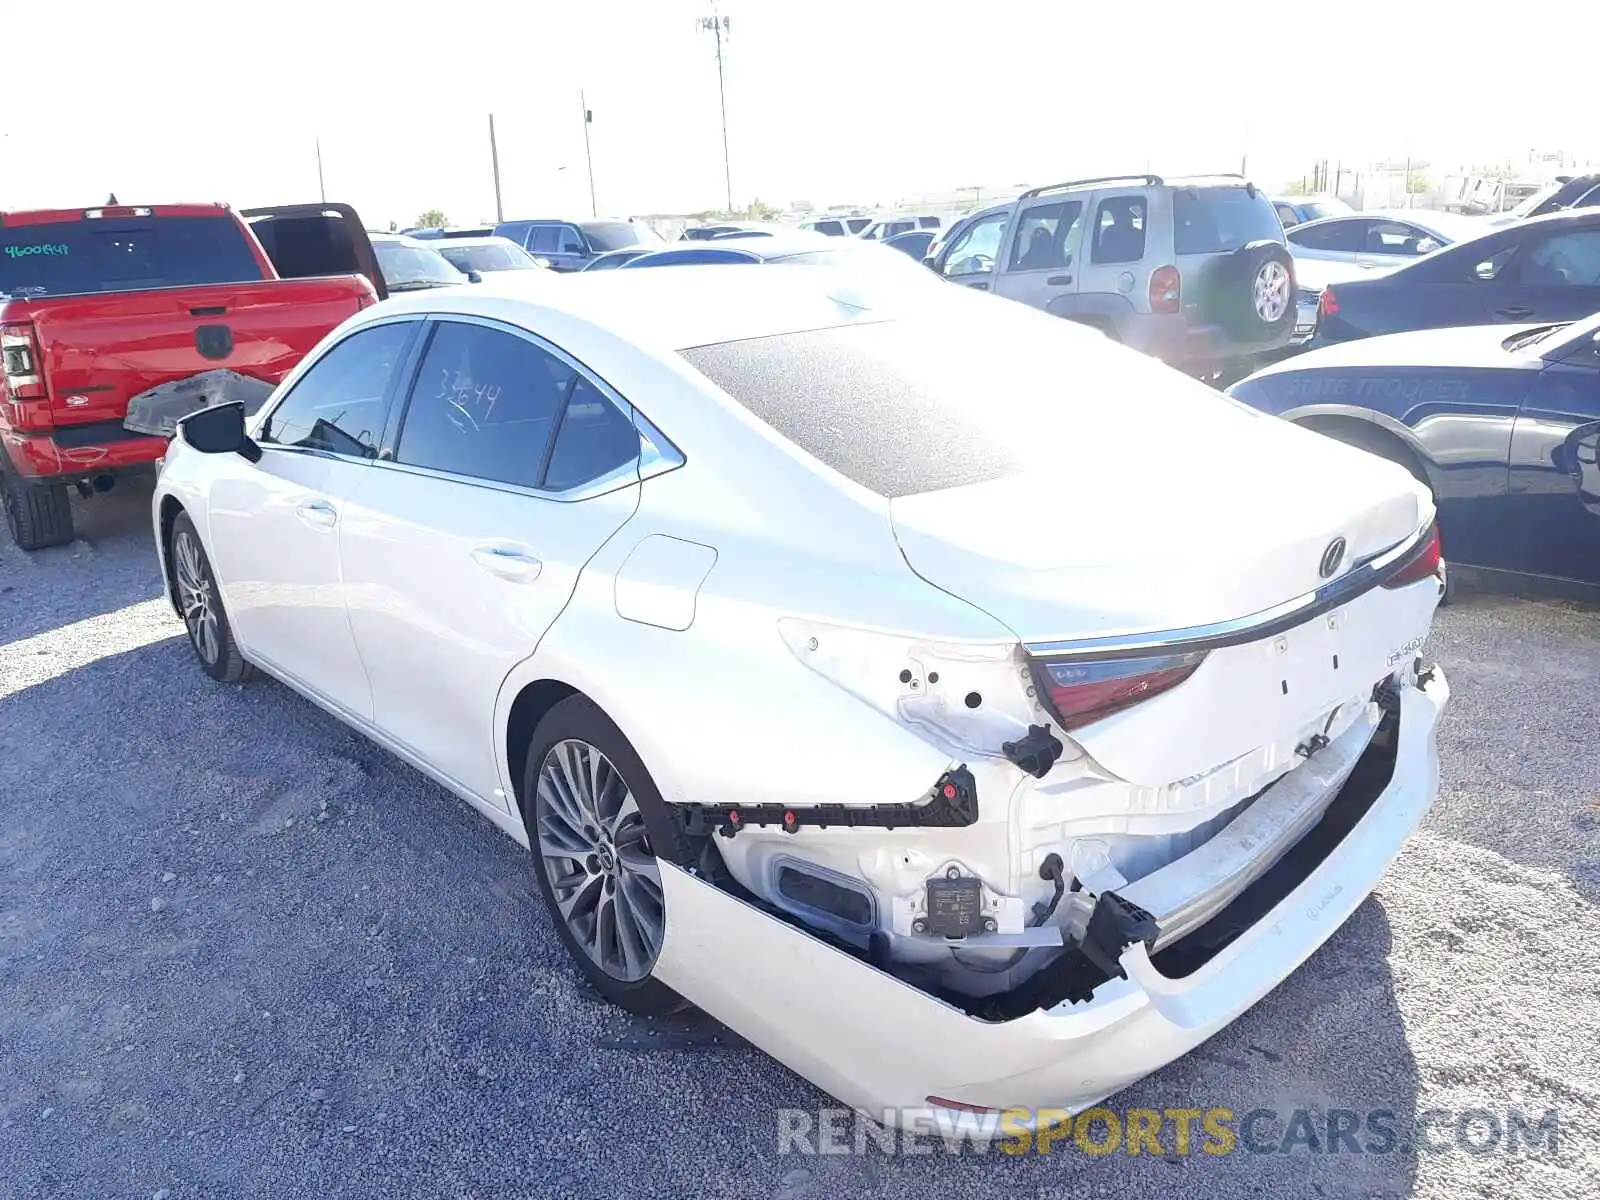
pixel 339 405
pixel 1218 220
pixel 831 228
pixel 595 438
pixel 1119 229
pixel 544 239
pixel 1044 234
pixel 124 254
pixel 484 405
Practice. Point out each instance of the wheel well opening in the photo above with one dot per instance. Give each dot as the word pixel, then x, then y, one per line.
pixel 170 508
pixel 1374 439
pixel 527 710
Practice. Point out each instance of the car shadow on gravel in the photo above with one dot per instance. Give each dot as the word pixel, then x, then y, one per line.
pixel 110 564
pixel 246 952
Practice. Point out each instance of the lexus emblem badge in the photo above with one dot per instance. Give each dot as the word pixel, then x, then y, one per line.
pixel 1332 558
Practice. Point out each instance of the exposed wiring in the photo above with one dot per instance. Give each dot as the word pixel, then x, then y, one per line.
pixel 1050 869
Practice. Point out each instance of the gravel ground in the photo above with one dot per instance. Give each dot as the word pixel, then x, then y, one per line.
pixel 243 952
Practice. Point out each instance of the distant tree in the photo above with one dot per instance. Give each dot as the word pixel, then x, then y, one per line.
pixel 1418 183
pixel 761 212
pixel 432 219
pixel 1295 187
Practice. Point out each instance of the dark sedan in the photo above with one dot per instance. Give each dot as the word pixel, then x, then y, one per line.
pixel 1542 269
pixel 1502 424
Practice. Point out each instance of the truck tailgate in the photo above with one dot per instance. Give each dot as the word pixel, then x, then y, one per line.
pixel 100 350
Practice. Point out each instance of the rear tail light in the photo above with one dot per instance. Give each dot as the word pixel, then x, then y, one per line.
pixel 1166 290
pixel 22 373
pixel 1083 692
pixel 1424 562
pixel 1328 305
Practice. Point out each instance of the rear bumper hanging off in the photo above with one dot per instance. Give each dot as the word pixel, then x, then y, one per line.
pixel 878 1043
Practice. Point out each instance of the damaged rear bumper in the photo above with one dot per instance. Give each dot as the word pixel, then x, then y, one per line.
pixel 880 1044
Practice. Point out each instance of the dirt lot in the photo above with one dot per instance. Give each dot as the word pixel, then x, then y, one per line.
pixel 243 952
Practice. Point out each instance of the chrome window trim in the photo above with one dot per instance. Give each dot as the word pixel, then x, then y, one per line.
pixel 619 477
pixel 657 454
pixel 1360 579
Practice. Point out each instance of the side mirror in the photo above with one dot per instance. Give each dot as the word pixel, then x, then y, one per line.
pixel 474 276
pixel 1484 270
pixel 219 430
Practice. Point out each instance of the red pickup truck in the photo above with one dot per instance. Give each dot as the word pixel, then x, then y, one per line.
pixel 100 305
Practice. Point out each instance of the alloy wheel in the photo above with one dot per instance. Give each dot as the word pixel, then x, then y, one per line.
pixel 597 858
pixel 196 596
pixel 1272 291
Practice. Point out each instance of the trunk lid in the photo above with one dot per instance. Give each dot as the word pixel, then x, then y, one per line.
pixel 1209 522
pixel 1213 521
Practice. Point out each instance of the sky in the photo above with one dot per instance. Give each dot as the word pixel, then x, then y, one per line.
pixel 860 102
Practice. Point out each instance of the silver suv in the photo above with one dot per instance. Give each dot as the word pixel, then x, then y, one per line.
pixel 1193 271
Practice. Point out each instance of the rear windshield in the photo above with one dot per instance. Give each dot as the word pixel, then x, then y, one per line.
pixel 486 258
pixel 1218 220
pixel 908 406
pixel 123 254
pixel 619 235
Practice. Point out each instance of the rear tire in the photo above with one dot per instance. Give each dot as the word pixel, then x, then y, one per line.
pixel 37 514
pixel 597 828
pixel 200 605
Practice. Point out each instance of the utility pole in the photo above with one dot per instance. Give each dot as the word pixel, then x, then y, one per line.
pixel 588 119
pixel 322 189
pixel 720 27
pixel 494 158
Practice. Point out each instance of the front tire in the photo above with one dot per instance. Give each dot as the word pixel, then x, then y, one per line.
pixel 596 824
pixel 200 605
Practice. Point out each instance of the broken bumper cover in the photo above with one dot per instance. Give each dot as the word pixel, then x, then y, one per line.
pixel 881 1045
pixel 158 410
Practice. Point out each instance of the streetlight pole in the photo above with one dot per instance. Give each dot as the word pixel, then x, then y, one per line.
pixel 494 159
pixel 720 26
pixel 322 188
pixel 588 119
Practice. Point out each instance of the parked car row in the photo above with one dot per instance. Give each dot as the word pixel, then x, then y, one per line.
pixel 564 245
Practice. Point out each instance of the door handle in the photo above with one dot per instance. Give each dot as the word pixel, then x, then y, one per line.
pixel 317 512
pixel 1058 280
pixel 1514 312
pixel 982 287
pixel 515 563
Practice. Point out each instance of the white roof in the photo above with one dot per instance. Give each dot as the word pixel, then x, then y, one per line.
pixel 674 308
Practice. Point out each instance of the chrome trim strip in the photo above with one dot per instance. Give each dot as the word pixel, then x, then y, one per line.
pixel 1360 579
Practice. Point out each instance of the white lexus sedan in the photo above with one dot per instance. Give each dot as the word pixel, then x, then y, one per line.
pixel 967 710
